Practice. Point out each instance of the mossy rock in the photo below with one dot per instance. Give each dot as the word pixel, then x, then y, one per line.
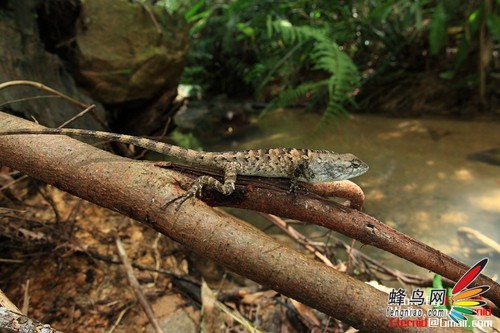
pixel 125 54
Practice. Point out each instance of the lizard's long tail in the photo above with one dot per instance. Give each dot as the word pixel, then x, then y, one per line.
pixel 156 146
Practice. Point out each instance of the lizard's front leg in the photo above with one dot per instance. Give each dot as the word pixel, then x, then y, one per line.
pixel 301 172
pixel 226 188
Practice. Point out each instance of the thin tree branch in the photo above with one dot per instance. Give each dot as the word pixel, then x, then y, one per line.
pixel 301 239
pixel 136 287
pixel 45 88
pixel 79 115
pixel 57 94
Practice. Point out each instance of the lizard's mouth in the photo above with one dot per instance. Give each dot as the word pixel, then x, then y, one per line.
pixel 360 169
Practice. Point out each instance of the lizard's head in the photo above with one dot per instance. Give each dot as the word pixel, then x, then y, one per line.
pixel 327 166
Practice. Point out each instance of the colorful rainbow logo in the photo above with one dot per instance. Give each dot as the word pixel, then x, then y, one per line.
pixel 462 298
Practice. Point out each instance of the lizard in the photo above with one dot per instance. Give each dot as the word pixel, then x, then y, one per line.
pixel 298 165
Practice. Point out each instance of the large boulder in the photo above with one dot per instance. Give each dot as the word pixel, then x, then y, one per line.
pixel 24 57
pixel 129 52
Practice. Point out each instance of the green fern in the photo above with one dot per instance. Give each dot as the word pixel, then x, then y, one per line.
pixel 292 95
pixel 325 55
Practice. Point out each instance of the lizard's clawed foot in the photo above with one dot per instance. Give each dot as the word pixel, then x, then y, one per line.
pixel 181 199
pixel 201 182
pixel 194 191
pixel 293 187
pixel 296 187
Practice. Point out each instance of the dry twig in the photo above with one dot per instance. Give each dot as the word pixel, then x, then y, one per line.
pixel 137 288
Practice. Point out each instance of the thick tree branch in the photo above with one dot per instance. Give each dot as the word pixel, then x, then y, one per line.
pixel 139 190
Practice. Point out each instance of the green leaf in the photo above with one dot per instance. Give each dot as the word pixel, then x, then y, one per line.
pixel 447 75
pixel 416 9
pixel 437 282
pixel 493 23
pixel 463 51
pixel 245 29
pixel 192 13
pixel 316 14
pixel 186 140
pixel 269 26
pixel 437 33
pixel 474 20
pixel 381 12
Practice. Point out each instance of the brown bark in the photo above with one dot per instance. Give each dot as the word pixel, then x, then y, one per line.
pixel 362 227
pixel 345 220
pixel 139 190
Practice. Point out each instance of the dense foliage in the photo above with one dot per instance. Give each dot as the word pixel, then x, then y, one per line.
pixel 315 50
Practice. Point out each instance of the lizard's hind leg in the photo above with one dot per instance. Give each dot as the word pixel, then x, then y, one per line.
pixel 226 188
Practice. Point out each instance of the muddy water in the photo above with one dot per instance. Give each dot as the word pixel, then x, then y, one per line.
pixel 420 180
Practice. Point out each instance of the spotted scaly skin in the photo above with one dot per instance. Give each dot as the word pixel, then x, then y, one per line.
pixel 306 165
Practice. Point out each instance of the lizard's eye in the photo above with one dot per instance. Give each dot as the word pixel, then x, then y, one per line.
pixel 356 163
